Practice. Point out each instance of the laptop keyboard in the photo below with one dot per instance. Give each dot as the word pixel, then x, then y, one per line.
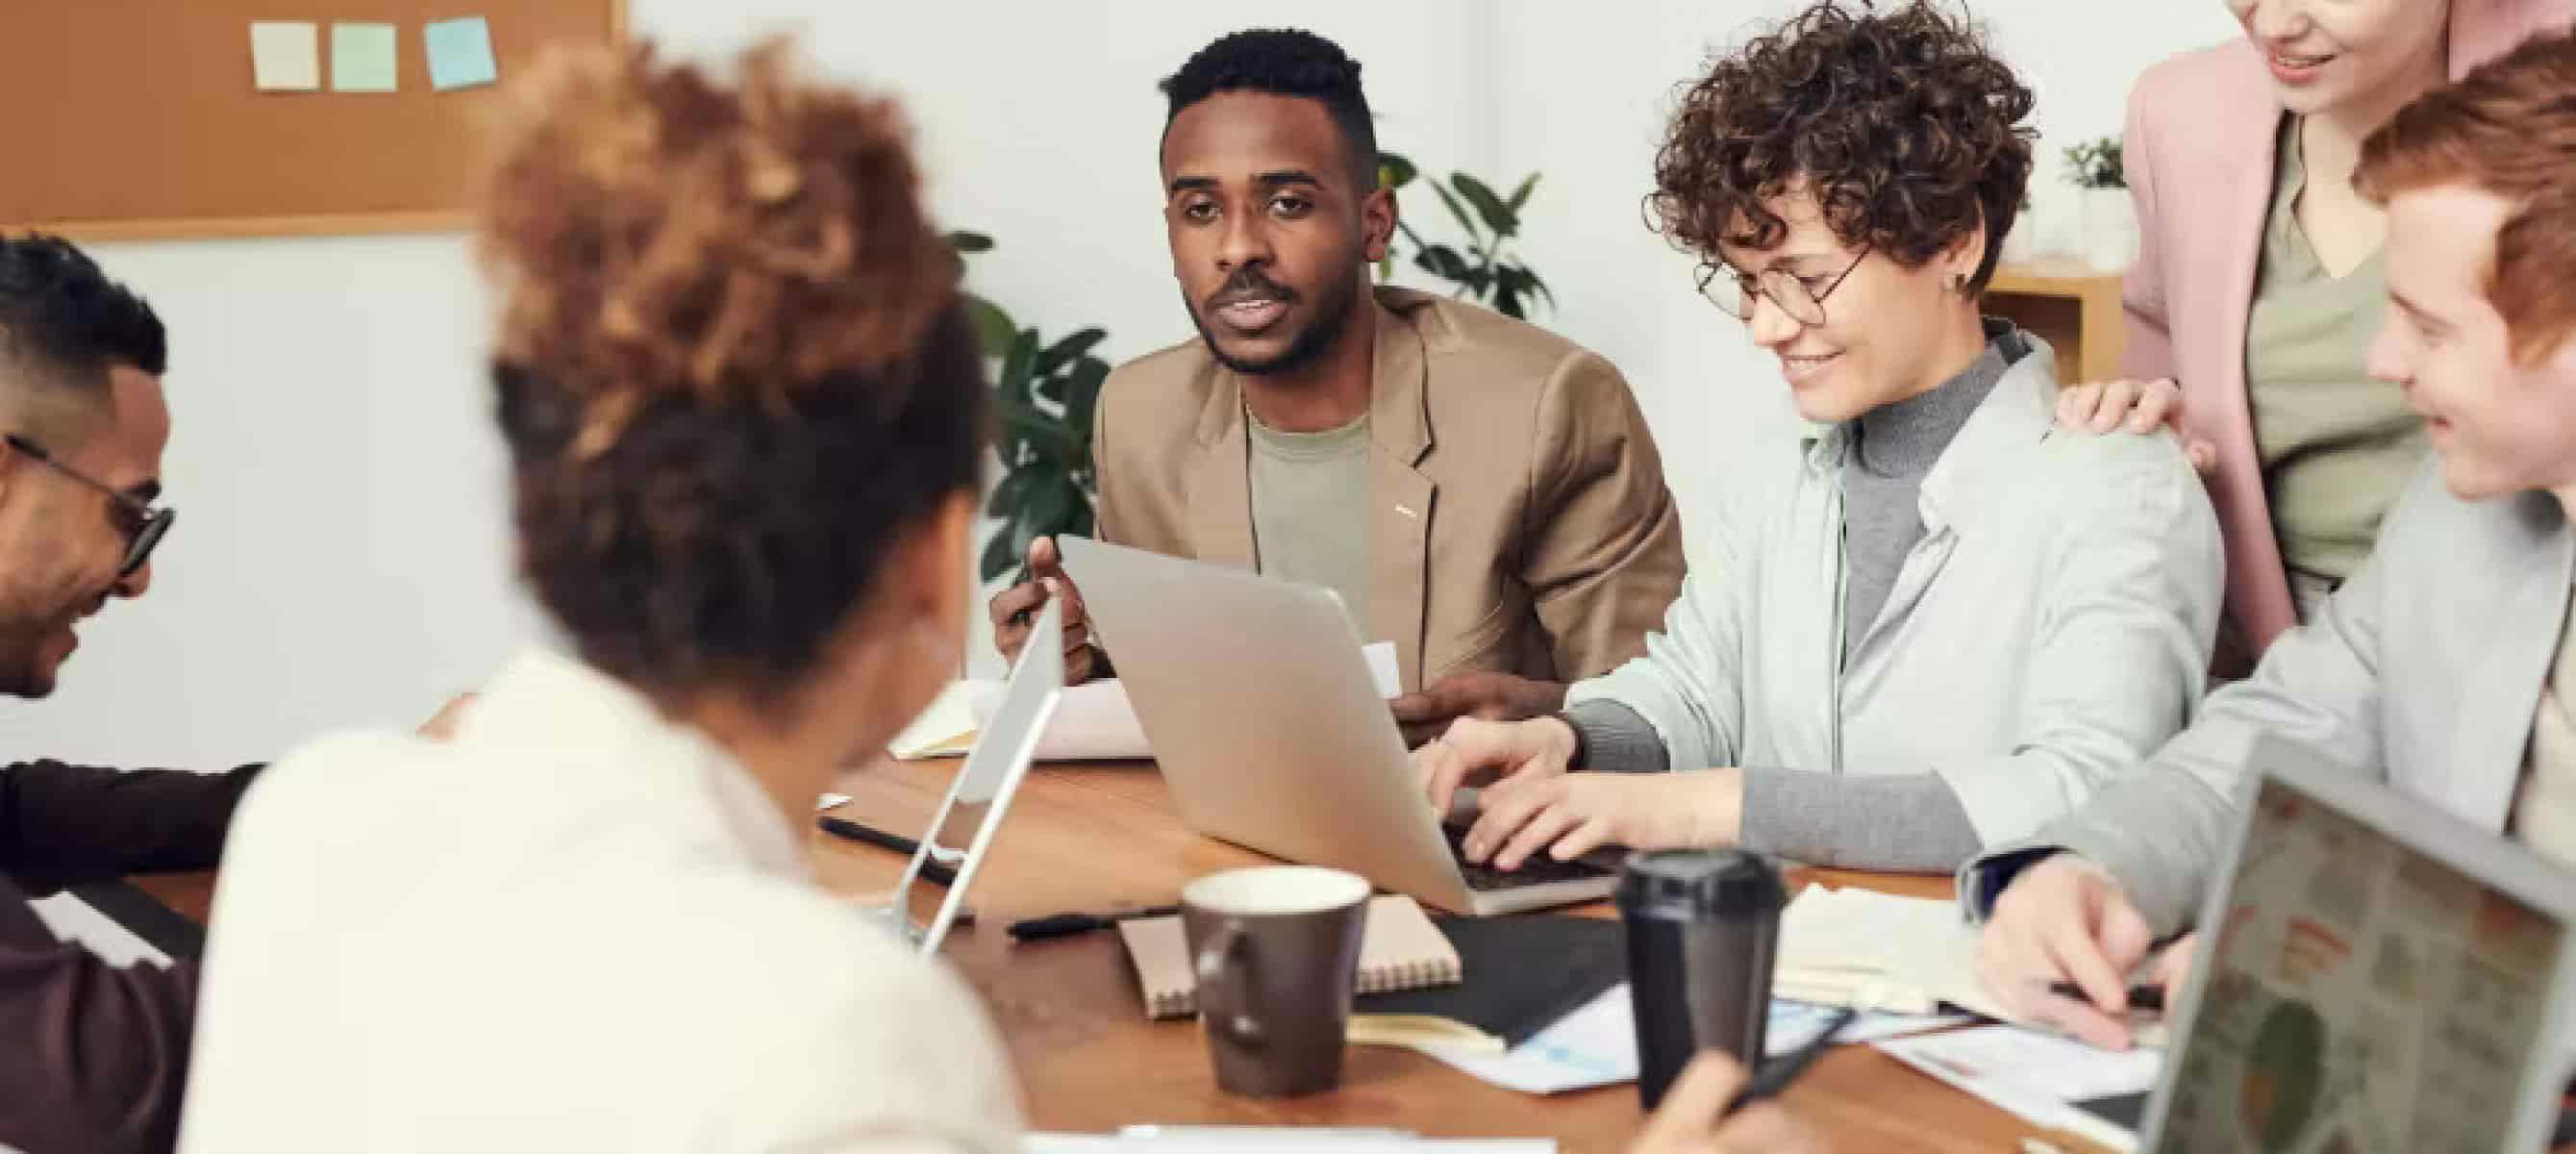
pixel 1538 870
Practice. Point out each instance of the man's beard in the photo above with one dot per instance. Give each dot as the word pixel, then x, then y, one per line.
pixel 1341 301
pixel 21 661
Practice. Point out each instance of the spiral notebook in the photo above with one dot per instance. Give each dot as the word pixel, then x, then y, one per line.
pixel 1401 950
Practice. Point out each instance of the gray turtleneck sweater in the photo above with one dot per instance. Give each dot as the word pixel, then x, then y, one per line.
pixel 1909 821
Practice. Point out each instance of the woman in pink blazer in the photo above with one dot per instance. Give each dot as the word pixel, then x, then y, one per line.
pixel 2203 142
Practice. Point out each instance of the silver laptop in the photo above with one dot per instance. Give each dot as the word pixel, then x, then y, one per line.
pixel 2375 975
pixel 961 831
pixel 1272 735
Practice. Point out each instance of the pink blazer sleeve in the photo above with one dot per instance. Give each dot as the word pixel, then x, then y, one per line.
pixel 2149 355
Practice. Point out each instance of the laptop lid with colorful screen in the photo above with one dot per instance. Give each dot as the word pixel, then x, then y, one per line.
pixel 2376 976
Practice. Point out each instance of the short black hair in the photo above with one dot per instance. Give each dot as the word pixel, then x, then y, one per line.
pixel 59 314
pixel 1283 62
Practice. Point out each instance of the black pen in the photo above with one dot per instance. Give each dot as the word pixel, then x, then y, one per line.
pixel 2150 999
pixel 931 871
pixel 1773 1079
pixel 1067 925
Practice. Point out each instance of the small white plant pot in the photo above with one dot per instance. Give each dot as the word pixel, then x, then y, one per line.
pixel 2021 245
pixel 2110 228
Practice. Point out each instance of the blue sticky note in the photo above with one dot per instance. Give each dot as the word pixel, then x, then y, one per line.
pixel 460 53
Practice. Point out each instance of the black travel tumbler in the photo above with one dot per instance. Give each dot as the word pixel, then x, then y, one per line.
pixel 1703 926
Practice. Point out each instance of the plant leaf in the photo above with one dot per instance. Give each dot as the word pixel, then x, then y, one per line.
pixel 998 557
pixel 1498 216
pixel 1043 435
pixel 993 328
pixel 1081 399
pixel 1013 492
pixel 1521 195
pixel 1456 209
pixel 1014 380
pixel 1441 261
pixel 1545 293
pixel 1051 508
pixel 1394 171
pixel 1062 353
pixel 970 242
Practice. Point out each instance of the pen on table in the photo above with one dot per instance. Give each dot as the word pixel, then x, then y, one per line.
pixel 2148 998
pixel 1774 1077
pixel 1067 925
pixel 931 871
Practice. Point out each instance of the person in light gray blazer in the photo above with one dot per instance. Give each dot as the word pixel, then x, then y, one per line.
pixel 2445 668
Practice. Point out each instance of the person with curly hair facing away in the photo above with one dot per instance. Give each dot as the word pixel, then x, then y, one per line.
pixel 745 419
pixel 1482 494
pixel 1941 623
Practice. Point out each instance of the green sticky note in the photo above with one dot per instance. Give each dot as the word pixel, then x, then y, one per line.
pixel 362 58
pixel 460 53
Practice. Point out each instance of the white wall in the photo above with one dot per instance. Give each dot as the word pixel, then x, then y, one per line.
pixel 342 555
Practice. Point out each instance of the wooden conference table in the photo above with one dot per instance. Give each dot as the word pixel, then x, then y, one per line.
pixel 1096 836
pixel 1099 835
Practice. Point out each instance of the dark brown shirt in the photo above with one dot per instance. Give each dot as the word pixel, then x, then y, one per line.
pixel 93 1057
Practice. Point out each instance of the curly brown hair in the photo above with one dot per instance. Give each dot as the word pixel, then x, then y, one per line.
pixel 731 367
pixel 1906 129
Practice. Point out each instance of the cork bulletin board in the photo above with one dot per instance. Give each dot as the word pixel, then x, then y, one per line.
pixel 141 119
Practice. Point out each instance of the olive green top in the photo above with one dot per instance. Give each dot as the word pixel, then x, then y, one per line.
pixel 1310 508
pixel 2336 445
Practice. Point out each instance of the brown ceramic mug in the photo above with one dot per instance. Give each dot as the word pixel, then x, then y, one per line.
pixel 1276 953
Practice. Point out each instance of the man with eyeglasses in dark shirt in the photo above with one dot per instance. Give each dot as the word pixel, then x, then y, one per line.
pixel 92 1057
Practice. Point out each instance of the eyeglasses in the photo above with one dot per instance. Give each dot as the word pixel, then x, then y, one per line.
pixel 144 525
pixel 1734 292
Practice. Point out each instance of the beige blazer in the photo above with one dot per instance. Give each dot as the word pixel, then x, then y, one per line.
pixel 2202 130
pixel 1518 519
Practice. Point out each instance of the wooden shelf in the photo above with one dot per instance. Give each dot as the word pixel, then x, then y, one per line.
pixel 2071 305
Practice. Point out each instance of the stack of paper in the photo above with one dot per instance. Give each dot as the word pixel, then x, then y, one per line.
pixel 1094 722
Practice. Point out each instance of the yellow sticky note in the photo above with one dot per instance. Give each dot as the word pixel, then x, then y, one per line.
pixel 286 56
pixel 362 58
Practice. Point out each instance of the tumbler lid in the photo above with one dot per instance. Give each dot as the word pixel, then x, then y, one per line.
pixel 1702 882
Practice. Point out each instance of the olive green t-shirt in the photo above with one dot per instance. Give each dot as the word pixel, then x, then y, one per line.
pixel 1310 509
pixel 2336 445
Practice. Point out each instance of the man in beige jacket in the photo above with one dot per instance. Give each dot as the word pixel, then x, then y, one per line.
pixel 1481 493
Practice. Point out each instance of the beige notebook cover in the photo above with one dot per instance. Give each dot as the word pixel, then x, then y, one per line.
pixel 1401 950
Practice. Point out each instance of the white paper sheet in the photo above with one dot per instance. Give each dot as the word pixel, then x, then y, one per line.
pixel 74 920
pixel 1597 1044
pixel 1198 1139
pixel 1094 722
pixel 2038 1077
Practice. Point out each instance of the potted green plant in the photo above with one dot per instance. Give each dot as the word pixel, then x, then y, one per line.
pixel 1483 268
pixel 1044 392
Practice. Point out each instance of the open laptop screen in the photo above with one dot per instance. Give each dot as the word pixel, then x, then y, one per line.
pixel 2362 997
